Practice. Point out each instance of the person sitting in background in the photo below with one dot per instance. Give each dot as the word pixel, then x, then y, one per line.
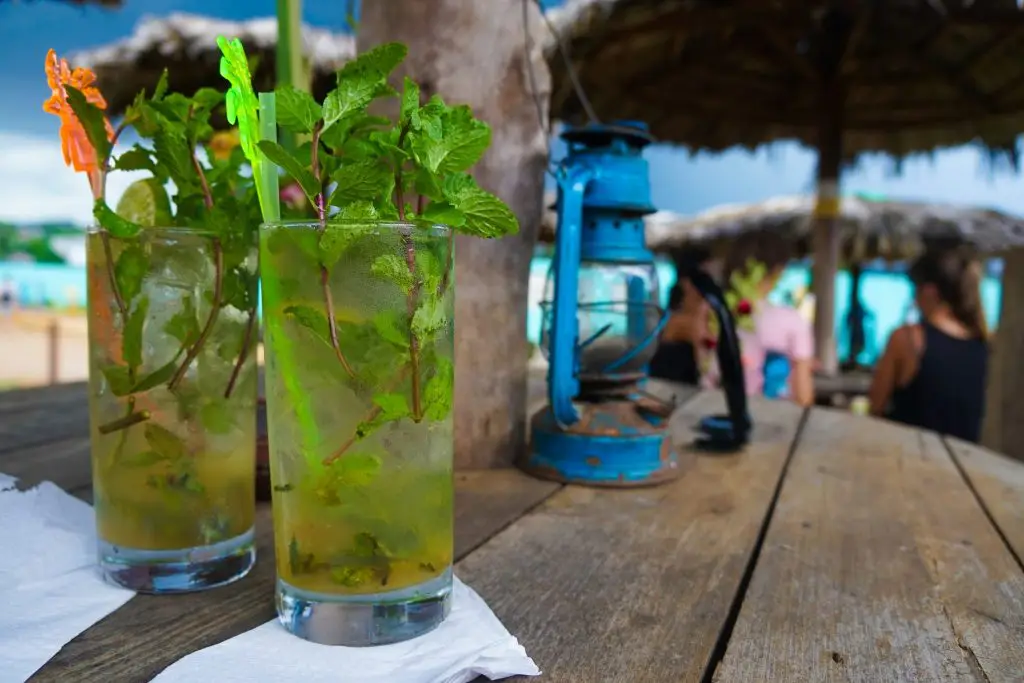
pixel 772 337
pixel 676 357
pixel 932 374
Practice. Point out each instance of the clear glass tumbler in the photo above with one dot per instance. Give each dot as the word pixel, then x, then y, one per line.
pixel 359 321
pixel 172 396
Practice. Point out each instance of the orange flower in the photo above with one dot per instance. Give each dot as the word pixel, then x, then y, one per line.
pixel 78 151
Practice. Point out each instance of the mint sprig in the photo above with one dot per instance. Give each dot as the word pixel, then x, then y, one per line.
pixel 215 197
pixel 360 169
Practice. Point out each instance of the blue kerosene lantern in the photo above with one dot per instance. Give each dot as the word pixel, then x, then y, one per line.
pixel 601 321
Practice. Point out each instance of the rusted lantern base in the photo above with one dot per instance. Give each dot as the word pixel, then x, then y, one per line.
pixel 619 444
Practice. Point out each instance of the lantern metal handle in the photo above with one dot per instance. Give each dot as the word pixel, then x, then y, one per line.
pixel 563 386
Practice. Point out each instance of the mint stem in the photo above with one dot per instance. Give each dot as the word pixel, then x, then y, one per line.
pixel 215 306
pixel 321 211
pixel 448 264
pixel 370 416
pixel 129 420
pixel 243 354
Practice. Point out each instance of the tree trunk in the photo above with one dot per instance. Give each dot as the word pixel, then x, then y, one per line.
pixel 474 53
pixel 1004 411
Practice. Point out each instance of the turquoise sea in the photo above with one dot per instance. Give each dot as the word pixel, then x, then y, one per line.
pixel 887 295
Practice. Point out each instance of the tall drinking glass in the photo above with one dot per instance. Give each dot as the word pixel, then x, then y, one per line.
pixel 172 394
pixel 359 320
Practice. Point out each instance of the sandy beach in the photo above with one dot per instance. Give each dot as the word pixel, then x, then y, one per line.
pixel 25 348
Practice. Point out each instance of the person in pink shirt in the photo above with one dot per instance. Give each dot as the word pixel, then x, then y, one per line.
pixel 777 343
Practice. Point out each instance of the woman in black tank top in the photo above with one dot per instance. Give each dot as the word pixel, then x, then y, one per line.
pixel 932 375
pixel 676 358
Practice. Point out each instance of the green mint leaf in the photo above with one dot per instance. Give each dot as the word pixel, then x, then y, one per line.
pixel 141 459
pixel 112 223
pixel 297 111
pixel 392 327
pixel 173 152
pixel 443 213
pixel 165 442
pixel 93 121
pixel 463 141
pixel 118 379
pixel 393 406
pixel 376 63
pixel 293 167
pixel 439 390
pixel 430 269
pixel 360 81
pixel 393 268
pixel 312 319
pixel 428 184
pixel 239 289
pixel 208 98
pixel 486 215
pixel 161 375
pixel 362 181
pixel 161 86
pixel 430 317
pixel 351 223
pixel 184 325
pixel 357 469
pixel 174 108
pixel 410 111
pixel 129 271
pixel 136 159
pixel 131 336
pixel 216 417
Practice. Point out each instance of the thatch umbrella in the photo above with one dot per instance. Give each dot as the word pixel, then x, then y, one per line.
pixel 843 76
pixel 185 44
pixel 869 228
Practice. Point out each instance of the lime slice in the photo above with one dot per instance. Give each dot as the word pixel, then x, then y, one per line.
pixel 145 202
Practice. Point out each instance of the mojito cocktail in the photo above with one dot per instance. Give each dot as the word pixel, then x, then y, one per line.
pixel 359 396
pixel 172 394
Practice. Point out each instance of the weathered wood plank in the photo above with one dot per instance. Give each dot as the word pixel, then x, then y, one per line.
pixel 878 565
pixel 19 400
pixel 999 482
pixel 149 633
pixel 65 462
pixel 635 585
pixel 38 416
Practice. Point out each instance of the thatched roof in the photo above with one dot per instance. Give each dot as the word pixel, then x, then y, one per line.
pixel 870 228
pixel 917 74
pixel 185 44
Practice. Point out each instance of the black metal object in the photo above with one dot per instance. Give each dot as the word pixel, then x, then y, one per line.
pixel 724 433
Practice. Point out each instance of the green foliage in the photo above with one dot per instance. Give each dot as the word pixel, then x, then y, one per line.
pixel 410 169
pixel 216 198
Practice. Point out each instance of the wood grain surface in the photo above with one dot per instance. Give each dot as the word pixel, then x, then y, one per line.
pixel 878 565
pixel 999 481
pixel 149 633
pixel 32 417
pixel 636 584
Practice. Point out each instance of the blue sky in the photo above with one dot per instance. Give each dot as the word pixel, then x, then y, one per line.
pixel 35 186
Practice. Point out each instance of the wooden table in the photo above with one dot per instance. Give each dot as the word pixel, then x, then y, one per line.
pixel 834 548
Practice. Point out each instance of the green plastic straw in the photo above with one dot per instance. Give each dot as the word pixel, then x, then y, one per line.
pixel 283 352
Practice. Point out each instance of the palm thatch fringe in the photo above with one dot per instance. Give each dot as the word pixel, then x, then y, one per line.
pixel 185 44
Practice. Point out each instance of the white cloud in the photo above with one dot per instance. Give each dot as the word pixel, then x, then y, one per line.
pixel 36 186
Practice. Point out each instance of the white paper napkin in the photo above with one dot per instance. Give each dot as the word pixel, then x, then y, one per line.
pixel 49 589
pixel 471 642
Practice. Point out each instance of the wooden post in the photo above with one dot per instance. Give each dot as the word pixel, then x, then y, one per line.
pixel 477 56
pixel 825 238
pixel 1003 429
pixel 53 347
